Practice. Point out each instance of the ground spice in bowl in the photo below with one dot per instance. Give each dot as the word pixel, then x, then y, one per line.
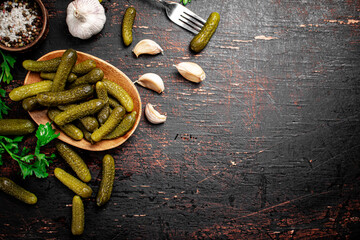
pixel 21 23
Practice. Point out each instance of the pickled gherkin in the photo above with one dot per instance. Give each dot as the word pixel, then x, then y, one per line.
pixel 74 160
pixel 68 60
pixel 127 25
pixel 110 124
pixel 73 183
pixel 29 90
pixel 78 216
pixel 65 97
pixel 79 111
pixel 92 77
pixel 120 94
pixel 199 42
pixel 101 93
pixel 69 129
pixel 125 125
pixel 30 104
pixel 89 122
pixel 50 76
pixel 11 188
pixel 42 66
pixel 107 181
pixel 84 67
pixel 113 102
pixel 87 134
pixel 16 127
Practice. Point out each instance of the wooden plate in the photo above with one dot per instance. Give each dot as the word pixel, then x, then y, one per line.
pixel 110 72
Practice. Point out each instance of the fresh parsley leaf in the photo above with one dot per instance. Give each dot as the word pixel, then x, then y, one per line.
pixel 3 107
pixel 5 76
pixel 6 65
pixel 45 134
pixel 11 61
pixel 185 1
pixel 30 164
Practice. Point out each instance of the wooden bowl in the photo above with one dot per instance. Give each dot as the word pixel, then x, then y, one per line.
pixel 42 35
pixel 110 72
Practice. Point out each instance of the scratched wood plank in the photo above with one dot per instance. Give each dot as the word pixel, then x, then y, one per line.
pixel 267 147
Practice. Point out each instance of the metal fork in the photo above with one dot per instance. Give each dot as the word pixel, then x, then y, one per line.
pixel 183 16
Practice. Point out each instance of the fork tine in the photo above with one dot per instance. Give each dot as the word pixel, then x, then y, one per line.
pixel 185 25
pixel 193 15
pixel 192 20
pixel 193 26
pixel 183 17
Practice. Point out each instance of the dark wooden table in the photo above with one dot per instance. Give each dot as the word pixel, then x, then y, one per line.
pixel 267 147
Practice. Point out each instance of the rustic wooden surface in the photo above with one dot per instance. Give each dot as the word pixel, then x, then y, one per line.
pixel 267 147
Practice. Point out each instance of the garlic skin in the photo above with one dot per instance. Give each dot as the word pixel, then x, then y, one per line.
pixel 85 18
pixel 151 81
pixel 191 71
pixel 153 116
pixel 147 46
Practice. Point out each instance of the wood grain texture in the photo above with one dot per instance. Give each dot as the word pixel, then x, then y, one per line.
pixel 267 147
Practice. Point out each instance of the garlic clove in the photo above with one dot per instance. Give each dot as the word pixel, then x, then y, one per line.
pixel 151 81
pixel 153 116
pixel 191 71
pixel 147 46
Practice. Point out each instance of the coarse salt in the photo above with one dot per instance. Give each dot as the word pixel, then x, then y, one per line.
pixel 16 23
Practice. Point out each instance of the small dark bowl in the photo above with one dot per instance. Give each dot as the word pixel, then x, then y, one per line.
pixel 43 33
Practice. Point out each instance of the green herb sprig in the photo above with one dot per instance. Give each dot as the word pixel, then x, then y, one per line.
pixel 185 1
pixel 6 77
pixel 30 164
pixel 6 65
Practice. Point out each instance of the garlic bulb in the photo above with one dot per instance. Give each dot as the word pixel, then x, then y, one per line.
pixel 85 18
pixel 154 116
pixel 147 46
pixel 151 81
pixel 191 71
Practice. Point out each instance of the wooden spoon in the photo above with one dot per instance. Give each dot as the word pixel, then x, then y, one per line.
pixel 110 72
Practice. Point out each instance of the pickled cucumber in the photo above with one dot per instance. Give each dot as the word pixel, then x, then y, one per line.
pixel 16 127
pixel 73 183
pixel 29 90
pixel 113 102
pixel 68 60
pixel 199 42
pixel 69 129
pixel 74 160
pixel 101 93
pixel 65 97
pixel 120 94
pixel 127 25
pixel 111 123
pixel 87 108
pixel 11 188
pixel 78 216
pixel 86 133
pixel 92 77
pixel 125 125
pixel 42 66
pixel 107 182
pixel 30 104
pixel 84 67
pixel 89 122
pixel 51 75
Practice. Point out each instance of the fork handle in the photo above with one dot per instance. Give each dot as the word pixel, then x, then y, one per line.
pixel 166 4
